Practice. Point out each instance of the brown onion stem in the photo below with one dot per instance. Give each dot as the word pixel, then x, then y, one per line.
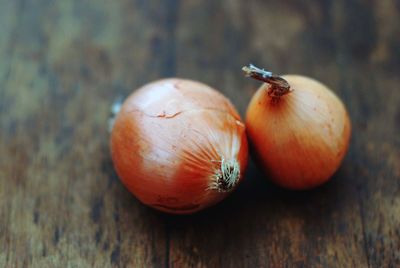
pixel 278 86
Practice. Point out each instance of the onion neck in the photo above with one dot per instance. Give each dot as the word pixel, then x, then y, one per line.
pixel 226 177
pixel 277 85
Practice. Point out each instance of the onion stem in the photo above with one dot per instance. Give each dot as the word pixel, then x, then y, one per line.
pixel 278 86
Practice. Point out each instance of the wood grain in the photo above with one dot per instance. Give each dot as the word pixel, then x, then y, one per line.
pixel 62 64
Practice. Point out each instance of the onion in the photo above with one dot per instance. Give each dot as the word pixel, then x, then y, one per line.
pixel 299 129
pixel 179 146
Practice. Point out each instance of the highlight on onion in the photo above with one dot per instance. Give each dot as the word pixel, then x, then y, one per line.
pixel 298 128
pixel 179 146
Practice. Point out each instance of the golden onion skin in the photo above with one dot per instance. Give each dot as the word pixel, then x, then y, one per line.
pixel 301 138
pixel 172 139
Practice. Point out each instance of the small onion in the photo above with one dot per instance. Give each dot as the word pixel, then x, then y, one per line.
pixel 298 128
pixel 179 146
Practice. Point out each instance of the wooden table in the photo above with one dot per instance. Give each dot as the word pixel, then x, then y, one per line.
pixel 62 64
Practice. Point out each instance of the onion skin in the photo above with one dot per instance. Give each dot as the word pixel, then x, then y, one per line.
pixel 301 138
pixel 169 142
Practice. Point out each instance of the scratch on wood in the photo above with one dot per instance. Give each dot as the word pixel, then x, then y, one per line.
pixel 56 236
pixel 96 209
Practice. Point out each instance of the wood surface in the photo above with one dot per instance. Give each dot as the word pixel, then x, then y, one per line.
pixel 63 63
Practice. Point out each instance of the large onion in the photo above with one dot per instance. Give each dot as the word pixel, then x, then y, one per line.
pixel 299 129
pixel 179 146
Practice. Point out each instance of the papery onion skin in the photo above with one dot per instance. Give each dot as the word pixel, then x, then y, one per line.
pixel 301 138
pixel 170 140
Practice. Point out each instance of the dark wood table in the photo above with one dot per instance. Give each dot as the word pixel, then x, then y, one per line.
pixel 63 63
